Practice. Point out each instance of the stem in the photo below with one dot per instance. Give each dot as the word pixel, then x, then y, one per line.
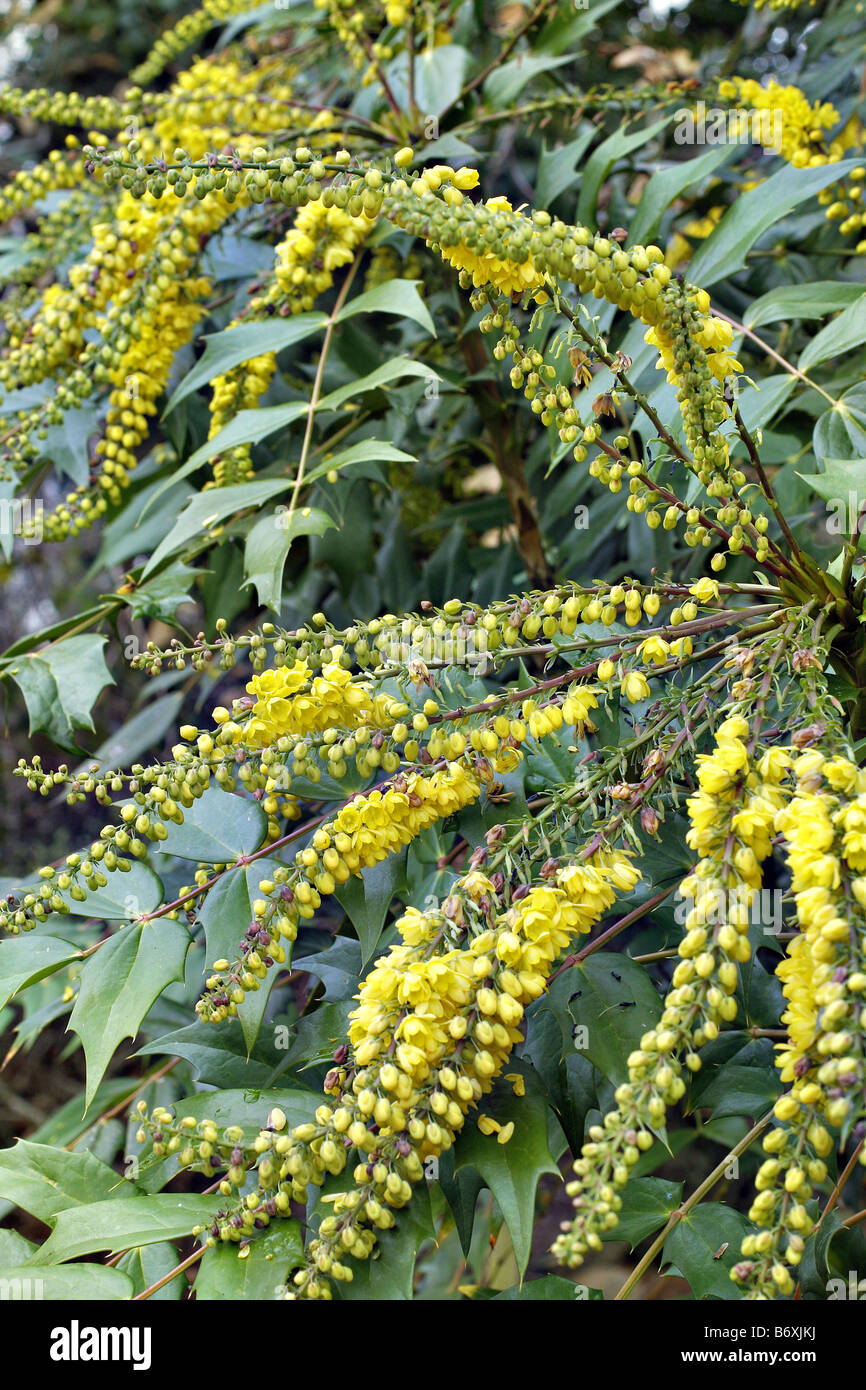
pixel 634 916
pixel 771 352
pixel 317 387
pixel 167 1278
pixel 765 481
pixel 683 1211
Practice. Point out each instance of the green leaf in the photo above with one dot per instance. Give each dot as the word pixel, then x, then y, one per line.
pixel 666 185
pixel 549 1289
pixel 647 1204
pixel 217 829
pixel 564 30
pixel 840 433
pixel 45 1181
pixel 207 509
pixel 388 1276
pixel 14 1247
pixel 725 250
pixel 834 1261
pixel 398 297
pixel 60 685
pixel 30 957
pixel 614 1001
pixel 338 967
pixel 602 160
pixel 225 915
pixel 316 1037
pixel 846 332
pixel 124 897
pixel 66 444
pixel 161 596
pixel 218 1056
pixel 251 426
pixel 810 301
pixel 739 1090
pixel 759 993
pixel 81 1283
pixel 843 486
pixel 366 900
pixel 118 985
pixel 264 1270
pixel 147 1264
pixel 557 167
pixel 365 451
pixel 694 1244
pixel 439 74
pixel 460 1191
pixel 511 1171
pixel 268 544
pixel 117 1225
pixel 389 371
pixel 244 341
pixel 508 79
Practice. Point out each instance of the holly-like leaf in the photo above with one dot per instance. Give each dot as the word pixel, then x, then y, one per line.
pixel 24 960
pixel 840 434
pixel 725 250
pixel 704 1246
pixel 739 1090
pixel 268 545
pixel 260 1274
pixel 124 897
pixel 118 1225
pixel 146 1265
pixel 218 828
pixel 206 510
pixel 512 1170
pixel 61 684
pixel 241 342
pixel 79 1283
pixel 226 914
pixel 647 1204
pixel 45 1181
pixel 118 985
pixel 604 1006
pixel 398 297
pixel 846 332
pixel 338 967
pixel 218 1056
pixel 366 899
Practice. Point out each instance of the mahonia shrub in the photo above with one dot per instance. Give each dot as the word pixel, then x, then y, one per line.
pixel 425 911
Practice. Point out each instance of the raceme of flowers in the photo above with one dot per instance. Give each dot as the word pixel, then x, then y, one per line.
pixel 732 817
pixel 823 975
pixel 799 130
pixel 435 1025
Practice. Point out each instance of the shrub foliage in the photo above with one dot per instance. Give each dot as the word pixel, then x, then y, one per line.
pixel 331 313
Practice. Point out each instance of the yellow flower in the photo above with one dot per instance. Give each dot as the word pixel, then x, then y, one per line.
pixel 654 650
pixel 635 687
pixel 486 268
pixel 706 590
